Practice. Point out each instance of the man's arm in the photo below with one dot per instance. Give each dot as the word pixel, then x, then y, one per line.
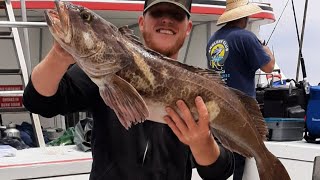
pixel 268 68
pixel 49 72
pixel 221 169
pixel 53 90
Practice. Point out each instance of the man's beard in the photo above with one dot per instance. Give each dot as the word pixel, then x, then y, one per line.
pixel 169 51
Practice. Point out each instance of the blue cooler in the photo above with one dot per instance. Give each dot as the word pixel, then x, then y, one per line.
pixel 313 112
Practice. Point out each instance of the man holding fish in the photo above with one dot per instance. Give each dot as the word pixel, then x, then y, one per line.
pixel 148 150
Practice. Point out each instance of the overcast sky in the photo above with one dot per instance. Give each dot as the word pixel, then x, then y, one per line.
pixel 284 40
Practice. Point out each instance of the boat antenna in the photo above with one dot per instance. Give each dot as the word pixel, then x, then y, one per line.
pixel 277 22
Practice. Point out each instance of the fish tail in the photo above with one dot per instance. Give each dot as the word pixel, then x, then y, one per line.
pixel 271 168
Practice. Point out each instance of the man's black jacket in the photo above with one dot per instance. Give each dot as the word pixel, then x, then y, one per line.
pixel 147 151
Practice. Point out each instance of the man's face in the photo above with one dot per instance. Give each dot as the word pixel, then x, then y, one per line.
pixel 164 28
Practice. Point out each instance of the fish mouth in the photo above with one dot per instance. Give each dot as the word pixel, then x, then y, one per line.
pixel 58 21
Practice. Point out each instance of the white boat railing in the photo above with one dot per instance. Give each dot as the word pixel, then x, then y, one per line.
pixel 21 24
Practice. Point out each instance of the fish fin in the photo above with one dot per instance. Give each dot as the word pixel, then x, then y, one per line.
pixel 124 99
pixel 270 167
pixel 230 144
pixel 252 107
pixel 126 31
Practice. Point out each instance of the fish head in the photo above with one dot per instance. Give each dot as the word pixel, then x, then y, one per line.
pixel 79 30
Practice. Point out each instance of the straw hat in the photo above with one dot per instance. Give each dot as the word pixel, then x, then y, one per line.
pixel 236 9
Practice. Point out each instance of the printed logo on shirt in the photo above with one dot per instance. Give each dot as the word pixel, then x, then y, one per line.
pixel 219 51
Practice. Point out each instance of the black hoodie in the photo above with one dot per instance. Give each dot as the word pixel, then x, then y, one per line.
pixel 147 151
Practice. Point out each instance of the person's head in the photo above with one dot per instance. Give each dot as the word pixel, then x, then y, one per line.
pixel 242 23
pixel 165 24
pixel 237 13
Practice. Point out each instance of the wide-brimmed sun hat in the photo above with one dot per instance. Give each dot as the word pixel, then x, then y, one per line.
pixel 236 9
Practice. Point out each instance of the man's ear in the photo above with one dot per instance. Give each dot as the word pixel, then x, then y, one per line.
pixel 189 27
pixel 141 22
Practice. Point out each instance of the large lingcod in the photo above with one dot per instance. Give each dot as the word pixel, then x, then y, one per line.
pixel 138 83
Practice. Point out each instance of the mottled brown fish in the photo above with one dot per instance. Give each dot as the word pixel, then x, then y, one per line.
pixel 138 83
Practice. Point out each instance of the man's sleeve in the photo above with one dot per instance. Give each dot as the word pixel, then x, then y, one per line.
pixel 72 95
pixel 222 169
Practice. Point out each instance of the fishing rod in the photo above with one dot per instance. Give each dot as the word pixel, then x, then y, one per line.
pixel 277 23
pixel 264 43
pixel 300 41
pixel 301 62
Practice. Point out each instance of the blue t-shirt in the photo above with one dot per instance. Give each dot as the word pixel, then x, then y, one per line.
pixel 236 54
